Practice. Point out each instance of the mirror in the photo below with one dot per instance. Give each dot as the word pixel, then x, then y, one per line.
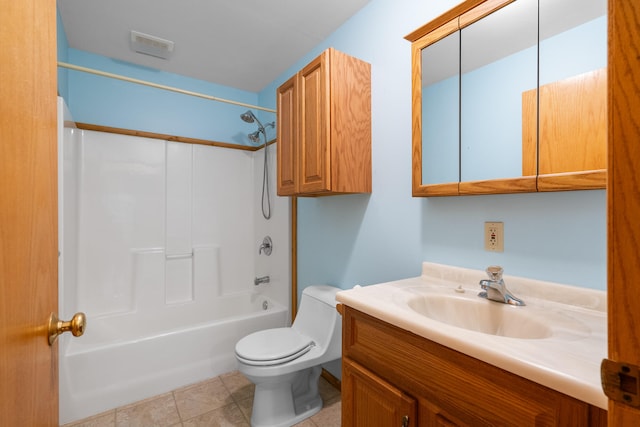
pixel 440 111
pixel 480 73
pixel 498 59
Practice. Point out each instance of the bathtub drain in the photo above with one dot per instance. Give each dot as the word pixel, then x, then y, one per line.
pixel 265 305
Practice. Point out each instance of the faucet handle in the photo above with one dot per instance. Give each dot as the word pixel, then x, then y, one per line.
pixel 266 246
pixel 494 272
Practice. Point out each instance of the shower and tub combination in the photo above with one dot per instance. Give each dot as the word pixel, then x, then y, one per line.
pixel 159 248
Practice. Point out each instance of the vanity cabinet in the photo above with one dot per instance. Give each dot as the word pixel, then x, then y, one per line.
pixel 324 128
pixel 389 374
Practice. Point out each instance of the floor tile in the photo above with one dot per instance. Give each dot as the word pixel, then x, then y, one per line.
pixel 327 391
pixel 238 385
pixel 106 419
pixel 224 401
pixel 227 416
pixel 201 398
pixel 158 411
pixel 330 415
pixel 306 423
pixel 246 406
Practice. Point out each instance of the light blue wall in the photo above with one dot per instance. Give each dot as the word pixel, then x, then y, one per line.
pixel 365 239
pixel 109 102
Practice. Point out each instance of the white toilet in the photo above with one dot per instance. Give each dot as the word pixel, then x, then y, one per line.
pixel 284 363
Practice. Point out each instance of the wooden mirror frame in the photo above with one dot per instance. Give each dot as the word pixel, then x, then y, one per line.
pixel 451 21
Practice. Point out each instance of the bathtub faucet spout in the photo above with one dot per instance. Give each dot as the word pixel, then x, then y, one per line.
pixel 260 280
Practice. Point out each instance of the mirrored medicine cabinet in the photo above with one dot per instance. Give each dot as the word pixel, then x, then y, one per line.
pixel 509 96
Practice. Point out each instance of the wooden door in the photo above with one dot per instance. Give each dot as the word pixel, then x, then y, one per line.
pixel 287 134
pixel 28 212
pixel 623 193
pixel 314 155
pixel 369 401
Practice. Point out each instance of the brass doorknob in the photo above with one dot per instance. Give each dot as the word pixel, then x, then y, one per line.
pixel 76 325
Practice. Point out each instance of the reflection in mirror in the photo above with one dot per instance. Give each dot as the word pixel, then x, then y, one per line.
pixel 573 95
pixel 499 63
pixel 440 111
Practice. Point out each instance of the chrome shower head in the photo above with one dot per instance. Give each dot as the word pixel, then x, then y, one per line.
pixel 248 116
pixel 255 136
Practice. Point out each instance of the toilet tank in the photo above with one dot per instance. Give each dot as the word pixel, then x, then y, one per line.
pixel 318 318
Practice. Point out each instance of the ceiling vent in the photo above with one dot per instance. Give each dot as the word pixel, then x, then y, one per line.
pixel 151 45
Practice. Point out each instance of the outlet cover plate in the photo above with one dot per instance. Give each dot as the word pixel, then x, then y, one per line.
pixel 494 236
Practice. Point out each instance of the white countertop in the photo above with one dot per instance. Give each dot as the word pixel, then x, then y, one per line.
pixel 568 361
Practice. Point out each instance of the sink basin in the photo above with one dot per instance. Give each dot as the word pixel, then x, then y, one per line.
pixel 480 315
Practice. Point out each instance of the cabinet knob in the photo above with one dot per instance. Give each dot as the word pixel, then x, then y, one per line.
pixel 405 421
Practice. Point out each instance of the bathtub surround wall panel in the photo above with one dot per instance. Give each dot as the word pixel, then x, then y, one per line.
pixel 122 205
pixel 148 283
pixel 68 200
pixel 206 271
pixel 178 243
pixel 178 202
pixel 179 281
pixel 277 265
pixel 223 207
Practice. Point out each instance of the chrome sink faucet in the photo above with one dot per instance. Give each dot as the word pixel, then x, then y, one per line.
pixel 495 288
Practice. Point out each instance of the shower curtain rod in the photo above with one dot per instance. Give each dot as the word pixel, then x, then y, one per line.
pixel 159 86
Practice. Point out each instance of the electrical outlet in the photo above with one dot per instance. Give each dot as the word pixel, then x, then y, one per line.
pixel 494 236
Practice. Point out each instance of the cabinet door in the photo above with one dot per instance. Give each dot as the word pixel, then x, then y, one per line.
pixel 314 150
pixel 433 416
pixel 369 401
pixel 287 131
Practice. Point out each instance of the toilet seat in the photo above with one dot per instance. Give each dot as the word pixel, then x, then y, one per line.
pixel 272 347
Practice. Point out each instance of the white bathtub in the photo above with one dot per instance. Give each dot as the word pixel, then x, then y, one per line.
pixel 126 358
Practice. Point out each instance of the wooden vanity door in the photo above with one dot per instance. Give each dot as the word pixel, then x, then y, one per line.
pixel 369 401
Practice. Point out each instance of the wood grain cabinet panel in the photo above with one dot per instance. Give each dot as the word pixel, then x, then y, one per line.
pixel 568 136
pixel 286 154
pixel 324 128
pixel 451 388
pixel 374 402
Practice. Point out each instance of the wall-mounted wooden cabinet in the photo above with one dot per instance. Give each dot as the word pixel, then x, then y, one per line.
pixel 392 377
pixel 324 128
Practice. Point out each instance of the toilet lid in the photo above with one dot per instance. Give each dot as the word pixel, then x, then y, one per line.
pixel 272 346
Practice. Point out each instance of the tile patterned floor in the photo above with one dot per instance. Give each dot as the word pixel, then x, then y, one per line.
pixel 224 401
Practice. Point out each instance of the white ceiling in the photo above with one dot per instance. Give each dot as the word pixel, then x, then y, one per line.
pixel 244 44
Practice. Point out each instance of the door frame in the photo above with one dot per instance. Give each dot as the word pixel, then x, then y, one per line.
pixel 623 194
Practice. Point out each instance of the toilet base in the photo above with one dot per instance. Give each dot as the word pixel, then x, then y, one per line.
pixel 293 398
